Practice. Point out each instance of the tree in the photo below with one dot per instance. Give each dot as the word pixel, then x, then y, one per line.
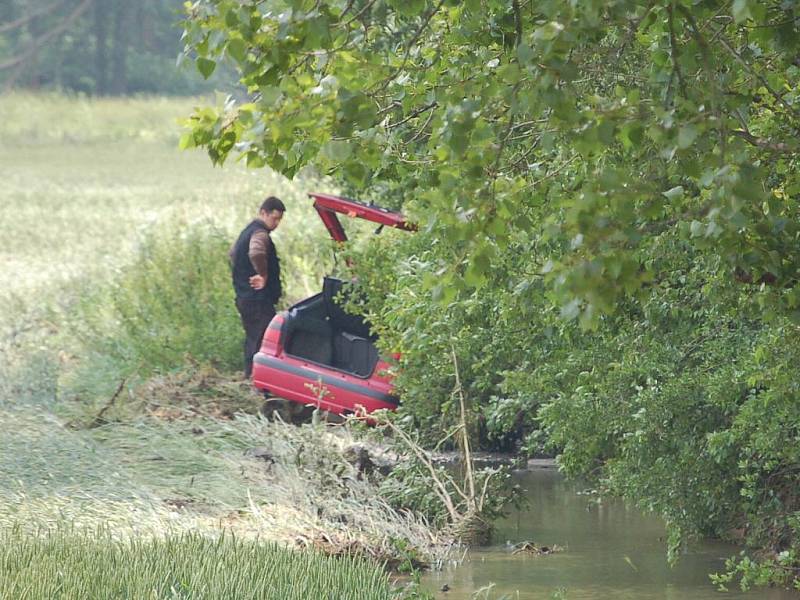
pixel 589 126
pixel 103 47
pixel 634 164
pixel 37 39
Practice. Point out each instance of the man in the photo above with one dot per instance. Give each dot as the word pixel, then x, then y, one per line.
pixel 257 276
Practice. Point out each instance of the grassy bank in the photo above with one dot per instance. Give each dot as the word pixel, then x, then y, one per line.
pixel 120 397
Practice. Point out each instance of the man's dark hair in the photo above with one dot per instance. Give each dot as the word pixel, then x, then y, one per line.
pixel 272 203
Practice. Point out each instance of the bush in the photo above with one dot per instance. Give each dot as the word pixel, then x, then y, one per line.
pixel 437 331
pixel 172 305
pixel 684 402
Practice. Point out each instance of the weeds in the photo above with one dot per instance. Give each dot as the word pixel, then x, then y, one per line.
pixel 172 305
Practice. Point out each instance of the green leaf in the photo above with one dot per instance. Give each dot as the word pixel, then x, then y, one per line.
pixel 356 173
pixel 337 150
pixel 673 193
pixel 231 19
pixel 548 32
pixel 206 66
pixel 686 136
pixel 571 310
pixel 408 8
pixel 237 48
pixel 741 10
pixel 524 54
pixel 186 141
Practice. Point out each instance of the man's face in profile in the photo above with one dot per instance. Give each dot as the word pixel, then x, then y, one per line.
pixel 271 219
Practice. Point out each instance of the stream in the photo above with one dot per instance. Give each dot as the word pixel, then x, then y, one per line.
pixel 610 551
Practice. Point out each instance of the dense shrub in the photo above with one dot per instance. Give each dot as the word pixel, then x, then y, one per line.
pixel 172 305
pixel 684 402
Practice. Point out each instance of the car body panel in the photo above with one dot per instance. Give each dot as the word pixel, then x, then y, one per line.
pixel 328 206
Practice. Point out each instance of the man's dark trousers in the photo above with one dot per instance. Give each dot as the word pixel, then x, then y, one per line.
pixel 256 313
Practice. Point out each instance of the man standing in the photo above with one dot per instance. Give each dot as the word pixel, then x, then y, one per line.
pixel 257 276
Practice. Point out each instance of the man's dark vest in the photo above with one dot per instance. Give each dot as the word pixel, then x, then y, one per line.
pixel 243 269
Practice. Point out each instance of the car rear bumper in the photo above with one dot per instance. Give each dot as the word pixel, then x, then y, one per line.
pixel 309 383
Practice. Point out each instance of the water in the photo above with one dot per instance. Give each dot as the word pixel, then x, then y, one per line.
pixel 609 552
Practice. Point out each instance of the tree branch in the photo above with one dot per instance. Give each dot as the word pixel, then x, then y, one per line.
pixel 412 114
pixel 634 27
pixel 36 13
pixel 715 95
pixel 37 44
pixel 410 44
pixel 761 79
pixel 766 144
pixel 674 54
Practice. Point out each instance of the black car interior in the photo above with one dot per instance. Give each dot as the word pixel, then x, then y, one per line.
pixel 319 330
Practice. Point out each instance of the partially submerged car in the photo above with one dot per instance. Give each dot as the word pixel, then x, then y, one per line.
pixel 316 353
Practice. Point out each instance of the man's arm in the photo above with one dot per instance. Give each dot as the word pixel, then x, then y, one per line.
pixel 259 249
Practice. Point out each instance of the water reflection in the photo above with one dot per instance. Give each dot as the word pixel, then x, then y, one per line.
pixel 609 552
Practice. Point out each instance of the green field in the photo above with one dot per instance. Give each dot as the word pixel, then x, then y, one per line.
pixel 83 180
pixel 120 399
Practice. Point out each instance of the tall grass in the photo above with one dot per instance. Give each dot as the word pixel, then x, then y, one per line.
pixel 68 565
pixel 86 196
pixel 172 304
pixel 84 184
pixel 258 478
pixel 113 263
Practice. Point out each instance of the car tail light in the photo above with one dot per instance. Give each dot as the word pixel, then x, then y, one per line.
pixel 271 343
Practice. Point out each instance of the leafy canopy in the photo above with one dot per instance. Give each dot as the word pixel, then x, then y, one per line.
pixel 589 126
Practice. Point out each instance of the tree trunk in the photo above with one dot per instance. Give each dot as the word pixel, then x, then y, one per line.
pixel 101 47
pixel 119 57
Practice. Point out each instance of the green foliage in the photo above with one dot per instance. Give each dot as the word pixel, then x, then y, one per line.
pixel 633 166
pixel 592 125
pixel 777 571
pixel 173 304
pixel 61 564
pixel 478 334
pixel 683 406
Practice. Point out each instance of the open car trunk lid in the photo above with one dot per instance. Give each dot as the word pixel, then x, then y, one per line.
pixel 329 208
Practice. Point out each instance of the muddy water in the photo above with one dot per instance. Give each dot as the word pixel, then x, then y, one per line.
pixel 609 552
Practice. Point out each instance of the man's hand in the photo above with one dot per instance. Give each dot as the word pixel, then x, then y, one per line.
pixel 257 282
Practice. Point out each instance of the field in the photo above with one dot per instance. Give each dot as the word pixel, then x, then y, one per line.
pixel 120 402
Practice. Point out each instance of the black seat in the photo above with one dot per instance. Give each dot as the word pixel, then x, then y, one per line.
pixel 354 354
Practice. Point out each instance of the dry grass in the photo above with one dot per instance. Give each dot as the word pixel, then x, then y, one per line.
pixel 255 477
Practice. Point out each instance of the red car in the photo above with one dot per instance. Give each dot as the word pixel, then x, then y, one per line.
pixel 317 354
